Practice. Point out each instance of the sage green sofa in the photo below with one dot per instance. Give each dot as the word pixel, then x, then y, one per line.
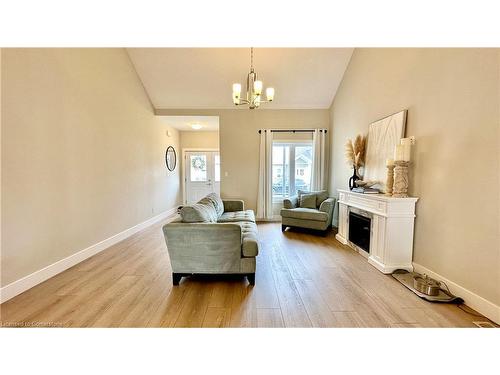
pixel 311 210
pixel 213 236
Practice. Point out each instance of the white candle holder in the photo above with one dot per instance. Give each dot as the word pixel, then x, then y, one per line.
pixel 389 180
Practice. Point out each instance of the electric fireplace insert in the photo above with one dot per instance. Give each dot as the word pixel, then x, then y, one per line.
pixel 359 230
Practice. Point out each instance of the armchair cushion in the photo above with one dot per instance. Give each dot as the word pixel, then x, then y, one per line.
pixel 305 214
pixel 308 201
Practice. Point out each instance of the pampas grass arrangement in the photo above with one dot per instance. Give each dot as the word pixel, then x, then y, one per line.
pixel 355 151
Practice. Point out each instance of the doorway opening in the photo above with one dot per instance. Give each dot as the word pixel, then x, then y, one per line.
pixel 200 158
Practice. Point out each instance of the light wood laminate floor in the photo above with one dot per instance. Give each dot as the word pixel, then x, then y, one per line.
pixel 303 280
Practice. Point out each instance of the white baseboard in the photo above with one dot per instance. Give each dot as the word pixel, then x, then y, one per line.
pixel 478 303
pixel 17 287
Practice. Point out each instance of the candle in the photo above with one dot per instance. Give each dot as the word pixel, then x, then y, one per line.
pixel 389 162
pixel 398 152
pixel 406 143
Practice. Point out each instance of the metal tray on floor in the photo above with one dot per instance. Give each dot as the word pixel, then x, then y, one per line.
pixel 406 278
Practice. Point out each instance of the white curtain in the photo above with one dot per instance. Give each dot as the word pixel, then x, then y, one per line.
pixel 265 194
pixel 318 178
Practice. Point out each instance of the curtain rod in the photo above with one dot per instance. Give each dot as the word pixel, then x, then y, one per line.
pixel 294 130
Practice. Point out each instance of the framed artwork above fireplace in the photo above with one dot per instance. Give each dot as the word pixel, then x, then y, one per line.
pixel 383 136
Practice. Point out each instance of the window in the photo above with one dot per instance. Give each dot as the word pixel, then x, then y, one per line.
pixel 292 164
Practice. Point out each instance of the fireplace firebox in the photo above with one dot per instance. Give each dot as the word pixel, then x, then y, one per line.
pixel 359 229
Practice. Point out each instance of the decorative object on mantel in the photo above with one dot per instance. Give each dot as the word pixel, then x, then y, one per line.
pixel 366 190
pixel 383 135
pixel 400 189
pixel 355 157
pixel 402 155
pixel 366 184
pixel 389 182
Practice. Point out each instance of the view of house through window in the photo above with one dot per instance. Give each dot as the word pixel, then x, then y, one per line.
pixel 292 165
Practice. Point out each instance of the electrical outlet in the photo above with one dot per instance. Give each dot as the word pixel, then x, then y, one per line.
pixel 412 140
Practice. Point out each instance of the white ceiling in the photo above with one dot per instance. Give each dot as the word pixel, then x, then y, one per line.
pixel 203 77
pixel 183 123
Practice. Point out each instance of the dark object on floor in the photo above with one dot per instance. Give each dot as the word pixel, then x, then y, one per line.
pixel 323 233
pixel 176 277
pixel 407 279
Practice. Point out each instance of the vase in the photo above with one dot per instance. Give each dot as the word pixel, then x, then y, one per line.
pixel 353 179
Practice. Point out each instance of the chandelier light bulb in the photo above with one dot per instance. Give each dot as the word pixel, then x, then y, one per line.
pixel 236 90
pixel 257 87
pixel 270 94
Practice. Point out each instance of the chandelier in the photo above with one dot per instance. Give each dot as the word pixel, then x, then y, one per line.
pixel 254 90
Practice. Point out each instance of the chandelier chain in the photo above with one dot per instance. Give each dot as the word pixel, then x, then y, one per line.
pixel 251 58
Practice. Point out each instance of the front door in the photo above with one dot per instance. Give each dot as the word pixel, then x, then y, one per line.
pixel 202 170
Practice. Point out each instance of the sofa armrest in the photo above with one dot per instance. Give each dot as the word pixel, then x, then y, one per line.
pixel 327 206
pixel 202 239
pixel 232 205
pixel 291 202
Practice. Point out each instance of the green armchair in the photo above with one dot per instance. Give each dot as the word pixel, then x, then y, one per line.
pixel 295 214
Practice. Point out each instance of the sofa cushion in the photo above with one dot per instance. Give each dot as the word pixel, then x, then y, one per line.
pixel 305 214
pixel 236 216
pixel 321 195
pixel 308 201
pixel 216 202
pixel 203 212
pixel 249 242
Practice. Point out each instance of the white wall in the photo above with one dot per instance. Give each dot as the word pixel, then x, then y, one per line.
pixel 452 97
pixel 82 154
pixel 199 139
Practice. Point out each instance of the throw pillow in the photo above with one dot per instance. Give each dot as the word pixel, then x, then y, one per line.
pixel 308 200
pixel 201 212
pixel 215 199
pixel 321 195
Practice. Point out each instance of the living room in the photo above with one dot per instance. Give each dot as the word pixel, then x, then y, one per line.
pixel 250 187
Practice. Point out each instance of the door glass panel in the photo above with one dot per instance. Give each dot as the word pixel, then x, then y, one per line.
pixel 198 166
pixel 217 168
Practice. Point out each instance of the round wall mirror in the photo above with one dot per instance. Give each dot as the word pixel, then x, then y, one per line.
pixel 170 158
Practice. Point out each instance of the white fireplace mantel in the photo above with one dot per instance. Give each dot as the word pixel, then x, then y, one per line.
pixel 391 234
